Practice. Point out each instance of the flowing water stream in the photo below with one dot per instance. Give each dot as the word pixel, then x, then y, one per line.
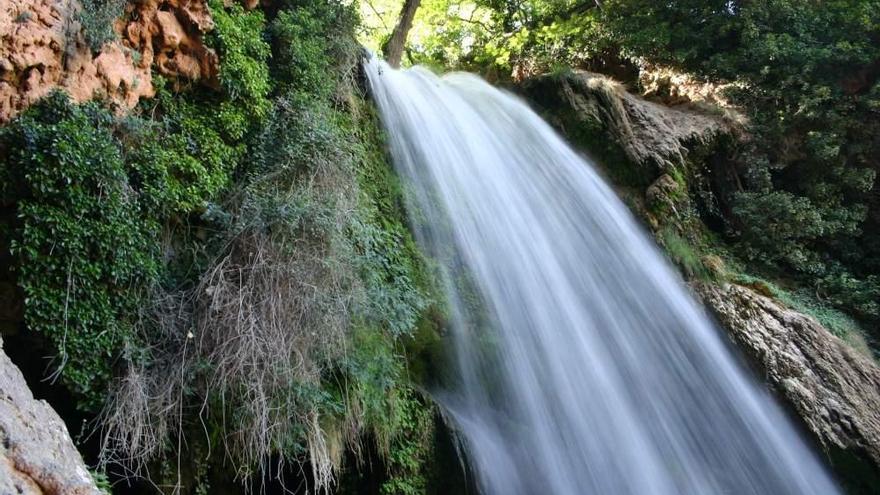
pixel 582 365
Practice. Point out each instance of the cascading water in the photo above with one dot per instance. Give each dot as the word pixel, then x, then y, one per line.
pixel 583 366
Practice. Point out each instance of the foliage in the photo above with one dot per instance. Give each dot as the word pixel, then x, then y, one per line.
pixel 493 36
pixel 308 52
pixel 96 18
pixel 185 157
pixel 410 446
pixel 784 236
pixel 268 315
pixel 101 481
pixel 83 245
pixel 244 72
pixel 93 193
pixel 807 77
pixel 286 339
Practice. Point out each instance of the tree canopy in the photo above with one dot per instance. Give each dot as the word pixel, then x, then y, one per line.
pixel 805 74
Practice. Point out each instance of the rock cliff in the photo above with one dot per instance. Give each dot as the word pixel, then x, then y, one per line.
pixel 655 137
pixel 43 47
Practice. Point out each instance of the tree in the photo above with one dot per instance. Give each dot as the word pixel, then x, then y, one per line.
pixel 393 48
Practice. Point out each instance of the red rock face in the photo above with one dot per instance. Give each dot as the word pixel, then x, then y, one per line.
pixel 169 35
pixel 42 48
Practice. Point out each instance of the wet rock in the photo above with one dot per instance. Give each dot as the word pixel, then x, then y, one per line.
pixel 37 455
pixel 655 137
pixel 832 388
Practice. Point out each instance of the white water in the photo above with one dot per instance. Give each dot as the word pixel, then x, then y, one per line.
pixel 583 366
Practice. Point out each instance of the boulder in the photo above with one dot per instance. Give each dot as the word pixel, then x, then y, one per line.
pixel 37 455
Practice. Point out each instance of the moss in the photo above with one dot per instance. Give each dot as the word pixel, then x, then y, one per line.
pixel 685 254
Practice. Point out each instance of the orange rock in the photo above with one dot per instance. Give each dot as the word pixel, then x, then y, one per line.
pixel 42 48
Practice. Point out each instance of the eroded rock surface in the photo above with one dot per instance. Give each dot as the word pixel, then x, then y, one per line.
pixel 37 455
pixel 651 135
pixel 42 47
pixel 833 389
pixel 169 35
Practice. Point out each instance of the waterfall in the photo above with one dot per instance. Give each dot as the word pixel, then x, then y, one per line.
pixel 582 365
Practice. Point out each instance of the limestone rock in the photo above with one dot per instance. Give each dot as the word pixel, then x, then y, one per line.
pixel 652 135
pixel 832 388
pixel 42 47
pixel 37 455
pixel 169 35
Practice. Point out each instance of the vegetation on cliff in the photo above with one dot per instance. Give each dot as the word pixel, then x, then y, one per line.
pixel 225 273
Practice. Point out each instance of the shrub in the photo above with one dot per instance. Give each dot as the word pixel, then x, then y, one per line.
pixel 84 249
pixel 308 53
pixel 244 74
pixel 294 325
pixel 786 235
pixel 185 158
pixel 96 18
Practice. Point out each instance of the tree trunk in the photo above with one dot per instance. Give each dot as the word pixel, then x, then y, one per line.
pixel 394 46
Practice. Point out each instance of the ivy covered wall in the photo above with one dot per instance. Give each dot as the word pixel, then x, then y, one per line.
pixel 224 275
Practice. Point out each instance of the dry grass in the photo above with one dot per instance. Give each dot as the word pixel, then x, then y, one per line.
pixel 249 345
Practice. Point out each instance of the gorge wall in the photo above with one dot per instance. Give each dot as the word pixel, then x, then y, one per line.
pixel 44 46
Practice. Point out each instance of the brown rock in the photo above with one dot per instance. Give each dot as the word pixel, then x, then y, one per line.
pixel 42 48
pixel 172 39
pixel 37 455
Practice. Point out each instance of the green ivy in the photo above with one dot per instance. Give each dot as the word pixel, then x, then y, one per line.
pixel 410 446
pixel 84 249
pixel 244 74
pixel 185 157
pixel 306 46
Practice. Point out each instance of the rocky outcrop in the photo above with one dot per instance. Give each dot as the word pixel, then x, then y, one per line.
pixel 43 47
pixel 169 35
pixel 37 455
pixel 655 137
pixel 834 390
pixel 674 149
